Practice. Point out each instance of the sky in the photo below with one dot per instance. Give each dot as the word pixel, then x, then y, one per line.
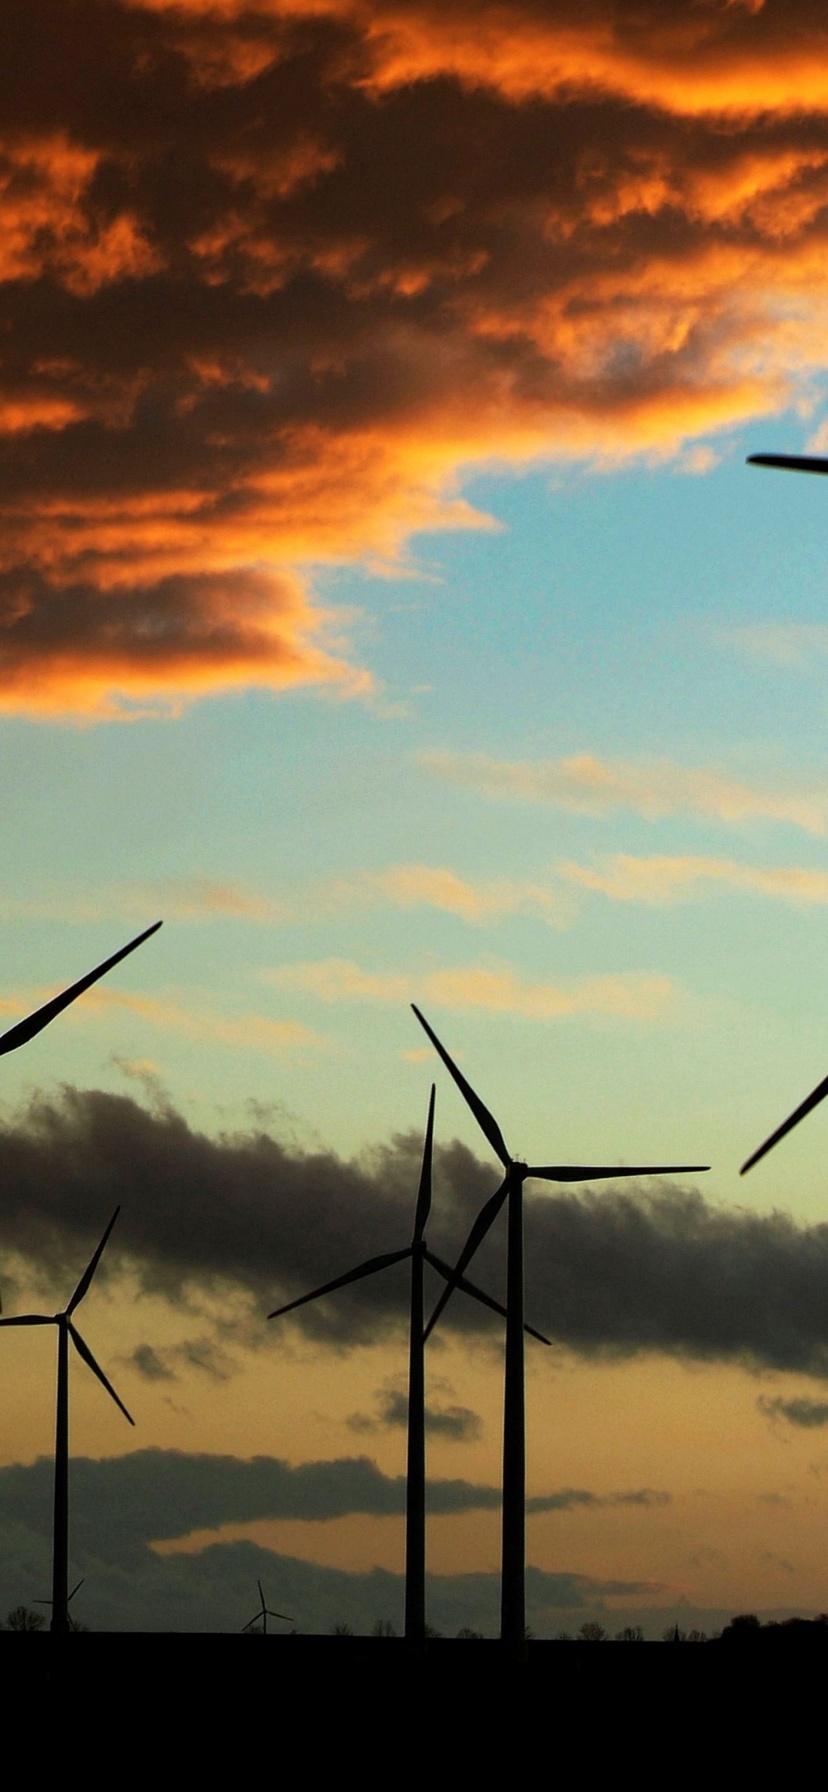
pixel 385 603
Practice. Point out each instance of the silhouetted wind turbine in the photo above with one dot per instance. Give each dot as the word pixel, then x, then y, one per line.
pixel 263 1614
pixel 24 1030
pixel 66 1330
pixel 420 1254
pixel 512 1595
pixel 76 1589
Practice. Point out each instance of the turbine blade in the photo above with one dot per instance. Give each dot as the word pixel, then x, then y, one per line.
pixel 75 1589
pixel 84 1351
pixel 487 1300
pixel 811 1101
pixel 29 1319
pixel 373 1265
pixel 424 1195
pixel 34 1023
pixel 261 1595
pixel 485 1120
pixel 83 1285
pixel 482 1224
pixel 278 1615
pixel 791 463
pixel 251 1622
pixel 602 1172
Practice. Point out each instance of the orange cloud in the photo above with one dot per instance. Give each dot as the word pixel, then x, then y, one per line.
pixel 274 280
pixel 662 879
pixel 496 987
pixel 249 1032
pixel 588 785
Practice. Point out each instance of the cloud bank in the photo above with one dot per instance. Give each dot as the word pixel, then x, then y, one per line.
pixel 272 277
pixel 123 1505
pixel 620 1272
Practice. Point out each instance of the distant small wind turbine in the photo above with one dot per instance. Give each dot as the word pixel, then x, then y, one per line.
pixel 419 1254
pixel 66 1330
pixel 24 1030
pixel 263 1614
pixel 513 1600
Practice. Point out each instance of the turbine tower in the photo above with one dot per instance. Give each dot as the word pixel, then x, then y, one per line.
pixel 263 1614
pixel 66 1330
pixel 512 1594
pixel 24 1030
pixel 419 1254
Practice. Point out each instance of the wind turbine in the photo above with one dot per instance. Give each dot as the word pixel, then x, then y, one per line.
pixel 24 1030
pixel 66 1330
pixel 263 1615
pixel 419 1254
pixel 512 1594
pixel 76 1589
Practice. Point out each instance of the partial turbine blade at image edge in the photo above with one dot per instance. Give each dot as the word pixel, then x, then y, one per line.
pixel 84 1351
pixel 811 1101
pixel 485 1120
pixel 83 1285
pixel 486 1300
pixel 424 1193
pixel 790 463
pixel 485 1220
pixel 372 1267
pixel 602 1172
pixel 24 1030
pixel 30 1319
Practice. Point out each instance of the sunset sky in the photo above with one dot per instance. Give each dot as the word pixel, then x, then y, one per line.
pixel 385 603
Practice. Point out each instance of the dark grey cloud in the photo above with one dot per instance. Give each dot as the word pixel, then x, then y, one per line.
pixel 456 1424
pixel 654 1268
pixel 570 1499
pixel 122 1505
pixel 809 1415
pixel 147 1362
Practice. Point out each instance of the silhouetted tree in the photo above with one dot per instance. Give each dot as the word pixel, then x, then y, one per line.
pixel 477 1635
pixel 631 1633
pixel 592 1632
pixel 23 1618
pixel 383 1627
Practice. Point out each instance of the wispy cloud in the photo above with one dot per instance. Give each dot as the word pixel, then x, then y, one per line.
pixel 200 899
pixel 194 898
pixel 252 1032
pixel 791 645
pixel 655 789
pixel 430 886
pixel 662 879
pixel 638 995
pixel 807 1415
